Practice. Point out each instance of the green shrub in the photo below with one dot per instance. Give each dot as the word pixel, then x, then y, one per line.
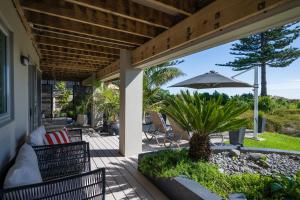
pixel 266 104
pixel 298 105
pixel 282 187
pixel 171 163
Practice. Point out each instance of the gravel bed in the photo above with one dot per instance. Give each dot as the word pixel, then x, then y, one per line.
pixel 266 164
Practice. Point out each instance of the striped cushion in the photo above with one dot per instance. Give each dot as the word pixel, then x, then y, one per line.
pixel 57 137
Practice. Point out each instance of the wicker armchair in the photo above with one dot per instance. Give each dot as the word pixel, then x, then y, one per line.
pixel 75 134
pixel 60 160
pixel 66 174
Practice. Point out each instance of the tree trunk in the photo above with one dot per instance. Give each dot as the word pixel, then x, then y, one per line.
pixel 263 80
pixel 263 91
pixel 199 147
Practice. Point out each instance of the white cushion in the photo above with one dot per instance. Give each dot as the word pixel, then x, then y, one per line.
pixel 27 153
pixel 36 138
pixel 25 170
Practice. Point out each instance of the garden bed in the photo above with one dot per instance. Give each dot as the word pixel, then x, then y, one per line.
pixel 165 168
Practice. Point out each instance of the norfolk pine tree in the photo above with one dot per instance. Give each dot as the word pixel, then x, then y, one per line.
pixel 271 48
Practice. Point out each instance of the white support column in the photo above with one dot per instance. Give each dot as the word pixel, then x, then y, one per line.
pixel 131 99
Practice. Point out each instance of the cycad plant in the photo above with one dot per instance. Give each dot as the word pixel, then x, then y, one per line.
pixel 203 117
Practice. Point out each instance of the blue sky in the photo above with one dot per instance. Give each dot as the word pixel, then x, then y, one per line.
pixel 283 82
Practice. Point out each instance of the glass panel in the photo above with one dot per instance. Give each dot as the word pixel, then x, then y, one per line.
pixel 3 77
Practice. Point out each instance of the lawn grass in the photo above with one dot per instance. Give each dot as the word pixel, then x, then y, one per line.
pixel 275 141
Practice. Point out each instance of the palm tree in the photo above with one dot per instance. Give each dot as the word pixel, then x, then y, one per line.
pixel 154 78
pixel 203 117
pixel 107 100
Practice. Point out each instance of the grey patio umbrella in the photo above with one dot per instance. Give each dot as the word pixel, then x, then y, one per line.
pixel 211 79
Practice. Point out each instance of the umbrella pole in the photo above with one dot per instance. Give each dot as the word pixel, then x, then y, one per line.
pixel 255 129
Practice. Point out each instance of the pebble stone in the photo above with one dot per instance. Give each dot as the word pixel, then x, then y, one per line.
pixel 270 164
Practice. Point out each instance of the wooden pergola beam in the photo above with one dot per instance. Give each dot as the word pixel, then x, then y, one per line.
pixel 210 20
pixel 186 8
pixel 74 12
pixel 129 10
pixel 109 70
pixel 71 36
pixel 215 24
pixel 71 51
pixel 83 29
pixel 76 45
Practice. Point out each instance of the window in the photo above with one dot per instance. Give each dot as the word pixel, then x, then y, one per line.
pixel 6 94
pixel 3 76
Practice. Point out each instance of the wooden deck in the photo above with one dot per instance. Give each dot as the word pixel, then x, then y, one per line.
pixel 123 180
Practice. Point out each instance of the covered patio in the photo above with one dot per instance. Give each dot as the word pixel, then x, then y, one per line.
pixel 88 40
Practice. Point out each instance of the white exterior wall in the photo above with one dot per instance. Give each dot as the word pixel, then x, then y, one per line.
pixel 12 132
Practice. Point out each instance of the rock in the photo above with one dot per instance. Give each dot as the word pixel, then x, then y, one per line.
pixel 257 156
pixel 234 153
pixel 264 164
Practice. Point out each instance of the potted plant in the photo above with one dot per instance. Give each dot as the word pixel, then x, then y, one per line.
pixel 82 110
pixel 203 117
pixel 236 137
pixel 262 120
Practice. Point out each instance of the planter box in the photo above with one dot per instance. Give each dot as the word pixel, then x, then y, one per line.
pixel 180 187
pixel 82 120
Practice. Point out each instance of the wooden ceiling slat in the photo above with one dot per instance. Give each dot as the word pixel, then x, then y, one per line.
pixel 76 45
pixel 54 61
pixel 67 76
pixel 44 31
pixel 63 66
pixel 89 16
pixel 84 29
pixel 75 61
pixel 130 10
pixel 186 8
pixel 73 39
pixel 67 56
pixel 71 54
pixel 77 52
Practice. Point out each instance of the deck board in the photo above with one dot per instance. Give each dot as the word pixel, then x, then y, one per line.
pixel 123 180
